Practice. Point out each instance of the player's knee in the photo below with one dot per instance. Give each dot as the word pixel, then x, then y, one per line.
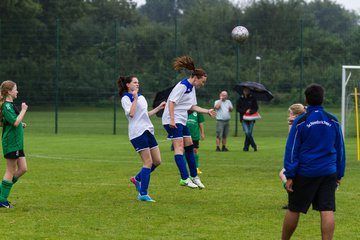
pixel 189 148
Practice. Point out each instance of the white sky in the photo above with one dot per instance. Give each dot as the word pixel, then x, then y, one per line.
pixel 348 4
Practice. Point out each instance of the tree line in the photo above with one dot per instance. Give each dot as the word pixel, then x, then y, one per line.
pixel 75 50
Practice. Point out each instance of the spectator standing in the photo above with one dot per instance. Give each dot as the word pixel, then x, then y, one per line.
pixel 247 104
pixel 223 108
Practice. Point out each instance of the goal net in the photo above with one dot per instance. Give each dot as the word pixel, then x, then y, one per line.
pixel 350 81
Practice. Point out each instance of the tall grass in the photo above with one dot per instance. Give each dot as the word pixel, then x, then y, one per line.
pixel 78 187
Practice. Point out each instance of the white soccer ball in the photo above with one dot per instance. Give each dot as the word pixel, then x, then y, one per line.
pixel 240 34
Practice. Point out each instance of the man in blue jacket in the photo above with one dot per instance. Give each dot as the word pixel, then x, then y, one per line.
pixel 314 164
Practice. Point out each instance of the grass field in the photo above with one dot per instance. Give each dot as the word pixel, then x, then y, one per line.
pixel 78 187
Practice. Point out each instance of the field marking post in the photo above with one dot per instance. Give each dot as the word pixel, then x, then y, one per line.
pixel 357 123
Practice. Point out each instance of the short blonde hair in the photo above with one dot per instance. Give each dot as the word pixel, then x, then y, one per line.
pixel 296 109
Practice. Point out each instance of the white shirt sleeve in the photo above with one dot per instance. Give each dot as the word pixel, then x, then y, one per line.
pixel 177 93
pixel 126 104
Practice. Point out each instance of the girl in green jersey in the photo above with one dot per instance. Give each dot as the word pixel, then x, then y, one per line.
pixel 12 139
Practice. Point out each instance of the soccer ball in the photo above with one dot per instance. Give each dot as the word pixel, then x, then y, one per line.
pixel 240 34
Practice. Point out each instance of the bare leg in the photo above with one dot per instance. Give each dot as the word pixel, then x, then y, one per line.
pixel 217 142
pixel 290 223
pixel 146 158
pixel 327 224
pixel 21 167
pixel 224 141
pixel 155 155
pixel 10 169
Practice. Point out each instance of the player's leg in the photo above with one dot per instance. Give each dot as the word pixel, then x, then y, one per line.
pixel 145 175
pixel 196 155
pixel 21 169
pixel 7 183
pixel 154 151
pixel 189 154
pixel 289 225
pixel 176 136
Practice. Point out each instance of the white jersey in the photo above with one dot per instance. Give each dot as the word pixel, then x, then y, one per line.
pixel 223 112
pixel 140 122
pixel 184 97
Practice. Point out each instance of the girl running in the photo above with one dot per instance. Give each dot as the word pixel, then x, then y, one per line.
pixel 181 99
pixel 141 132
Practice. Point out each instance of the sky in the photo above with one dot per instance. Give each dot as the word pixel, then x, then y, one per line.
pixel 348 4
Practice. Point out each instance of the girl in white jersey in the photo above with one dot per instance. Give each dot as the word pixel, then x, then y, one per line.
pixel 181 99
pixel 141 132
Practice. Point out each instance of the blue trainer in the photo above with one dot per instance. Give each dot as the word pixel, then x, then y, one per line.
pixel 145 198
pixel 6 205
pixel 136 183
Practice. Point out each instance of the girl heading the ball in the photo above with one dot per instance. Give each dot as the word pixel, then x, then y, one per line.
pixel 182 99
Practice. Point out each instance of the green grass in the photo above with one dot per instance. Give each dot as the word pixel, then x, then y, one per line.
pixel 78 187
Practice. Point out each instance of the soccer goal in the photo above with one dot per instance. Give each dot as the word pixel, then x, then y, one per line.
pixel 350 82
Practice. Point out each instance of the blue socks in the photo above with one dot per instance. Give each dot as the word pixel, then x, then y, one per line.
pixel 145 180
pixel 189 154
pixel 138 176
pixel 181 166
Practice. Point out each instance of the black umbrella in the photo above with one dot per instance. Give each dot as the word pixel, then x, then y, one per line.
pixel 257 90
pixel 160 97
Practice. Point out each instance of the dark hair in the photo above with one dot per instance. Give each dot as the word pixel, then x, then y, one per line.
pixel 314 94
pixel 188 63
pixel 122 81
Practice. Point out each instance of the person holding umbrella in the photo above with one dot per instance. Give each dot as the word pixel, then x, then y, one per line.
pixel 182 99
pixel 247 104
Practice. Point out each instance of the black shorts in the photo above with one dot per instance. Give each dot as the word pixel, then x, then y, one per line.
pixel 318 191
pixel 15 154
pixel 196 143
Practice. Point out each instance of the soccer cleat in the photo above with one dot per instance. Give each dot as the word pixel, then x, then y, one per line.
pixel 6 205
pixel 145 198
pixel 136 183
pixel 218 149
pixel 188 183
pixel 197 181
pixel 198 171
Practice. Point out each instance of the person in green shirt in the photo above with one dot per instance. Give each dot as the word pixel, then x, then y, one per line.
pixel 12 139
pixel 195 124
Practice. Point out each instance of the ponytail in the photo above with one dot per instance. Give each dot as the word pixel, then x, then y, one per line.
pixel 187 63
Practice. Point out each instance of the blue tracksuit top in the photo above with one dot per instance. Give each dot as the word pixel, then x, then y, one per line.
pixel 315 145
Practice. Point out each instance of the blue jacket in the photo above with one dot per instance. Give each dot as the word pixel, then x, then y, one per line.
pixel 315 145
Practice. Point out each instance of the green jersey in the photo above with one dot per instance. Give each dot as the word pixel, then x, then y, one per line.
pixel 12 137
pixel 194 119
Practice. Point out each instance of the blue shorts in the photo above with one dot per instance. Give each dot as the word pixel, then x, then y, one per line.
pixel 145 141
pixel 179 132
